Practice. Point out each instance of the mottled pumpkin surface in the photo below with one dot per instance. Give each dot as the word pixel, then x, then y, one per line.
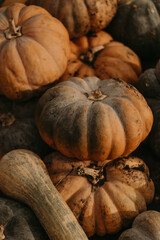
pixel 93 119
pixel 146 226
pixel 137 24
pixel 104 196
pixel 80 16
pixel 34 49
pixel 99 55
pixel 19 222
pixel 18 129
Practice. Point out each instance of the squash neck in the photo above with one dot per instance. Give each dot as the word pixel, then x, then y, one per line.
pixel 2 232
pixel 13 31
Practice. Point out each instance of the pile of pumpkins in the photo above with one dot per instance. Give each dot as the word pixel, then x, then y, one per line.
pixel 75 103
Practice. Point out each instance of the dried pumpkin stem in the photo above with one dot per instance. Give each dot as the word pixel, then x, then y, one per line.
pixel 7 119
pixel 89 55
pixel 1 232
pixel 95 174
pixel 96 95
pixel 12 31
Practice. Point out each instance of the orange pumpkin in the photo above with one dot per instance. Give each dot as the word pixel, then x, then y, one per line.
pixel 99 55
pixel 104 196
pixel 79 16
pixel 93 119
pixel 34 50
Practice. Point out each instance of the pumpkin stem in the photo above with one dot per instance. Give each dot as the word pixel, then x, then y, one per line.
pixel 95 174
pixel 12 31
pixel 1 232
pixel 7 119
pixel 89 55
pixel 96 95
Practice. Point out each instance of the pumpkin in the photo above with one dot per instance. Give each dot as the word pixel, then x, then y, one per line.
pixel 137 24
pixel 7 2
pixel 93 119
pixel 34 50
pixel 99 55
pixel 78 16
pixel 145 226
pixel 18 129
pixel 19 222
pixel 24 176
pixel 149 82
pixel 153 139
pixel 104 196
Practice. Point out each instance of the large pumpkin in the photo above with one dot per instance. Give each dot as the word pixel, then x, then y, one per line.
pixel 146 226
pixel 79 16
pixel 34 50
pixel 137 24
pixel 93 119
pixel 98 55
pixel 18 129
pixel 104 196
pixel 18 222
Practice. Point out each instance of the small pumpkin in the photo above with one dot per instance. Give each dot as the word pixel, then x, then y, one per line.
pixel 18 222
pixel 18 129
pixel 145 226
pixel 99 55
pixel 24 176
pixel 149 82
pixel 137 24
pixel 104 196
pixel 93 119
pixel 34 50
pixel 78 16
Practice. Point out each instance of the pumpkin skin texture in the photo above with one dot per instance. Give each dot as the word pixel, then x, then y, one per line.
pixel 19 221
pixel 24 176
pixel 103 119
pixel 154 137
pixel 146 226
pixel 149 82
pixel 137 24
pixel 35 55
pixel 99 55
pixel 79 16
pixel 105 196
pixel 18 129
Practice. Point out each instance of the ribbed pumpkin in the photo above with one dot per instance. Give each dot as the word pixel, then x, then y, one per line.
pixel 80 16
pixel 99 55
pixel 146 226
pixel 34 50
pixel 18 129
pixel 93 119
pixel 104 196
pixel 137 24
pixel 18 222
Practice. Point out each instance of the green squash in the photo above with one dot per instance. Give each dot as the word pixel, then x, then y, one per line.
pixel 137 24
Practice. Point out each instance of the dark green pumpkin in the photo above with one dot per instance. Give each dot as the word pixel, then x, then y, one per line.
pixel 137 24
pixel 19 222
pixel 18 129
pixel 149 82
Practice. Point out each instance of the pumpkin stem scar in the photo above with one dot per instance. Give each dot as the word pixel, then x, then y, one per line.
pixel 7 119
pixel 12 31
pixel 89 55
pixel 94 174
pixel 1 232
pixel 96 95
